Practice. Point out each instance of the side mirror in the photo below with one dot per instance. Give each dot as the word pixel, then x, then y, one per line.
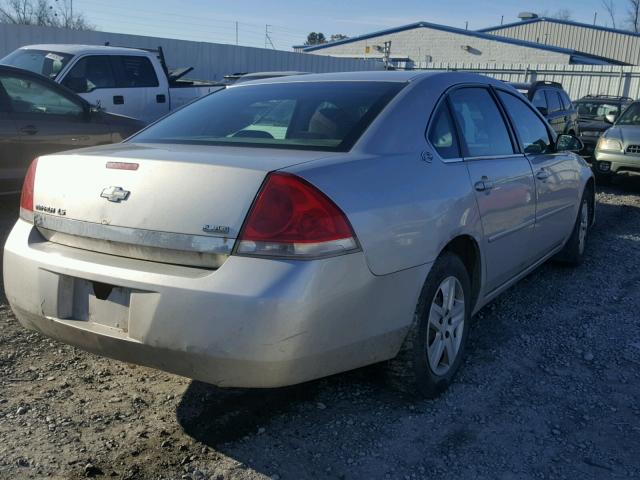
pixel 569 143
pixel 543 111
pixel 611 117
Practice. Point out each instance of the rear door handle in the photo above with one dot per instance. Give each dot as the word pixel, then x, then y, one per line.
pixel 542 174
pixel 484 185
pixel 29 130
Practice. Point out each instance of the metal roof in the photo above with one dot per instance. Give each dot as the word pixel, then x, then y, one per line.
pixel 562 22
pixel 459 31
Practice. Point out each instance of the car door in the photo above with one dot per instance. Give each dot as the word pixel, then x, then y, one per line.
pixel 145 96
pixel 11 169
pixel 555 175
pixel 93 78
pixel 502 179
pixel 570 113
pixel 49 119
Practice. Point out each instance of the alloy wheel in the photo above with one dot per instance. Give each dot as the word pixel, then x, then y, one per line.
pixel 446 325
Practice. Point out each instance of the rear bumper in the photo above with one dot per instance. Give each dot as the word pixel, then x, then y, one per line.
pixel 251 323
pixel 617 163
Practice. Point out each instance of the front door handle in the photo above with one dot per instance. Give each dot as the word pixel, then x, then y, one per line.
pixel 29 130
pixel 542 174
pixel 118 100
pixel 484 185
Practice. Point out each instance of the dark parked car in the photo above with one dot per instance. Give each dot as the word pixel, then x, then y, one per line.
pixel 38 116
pixel 597 113
pixel 553 102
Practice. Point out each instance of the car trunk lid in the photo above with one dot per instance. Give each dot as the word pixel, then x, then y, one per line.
pixel 172 203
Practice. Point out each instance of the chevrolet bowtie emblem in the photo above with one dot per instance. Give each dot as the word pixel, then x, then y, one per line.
pixel 115 194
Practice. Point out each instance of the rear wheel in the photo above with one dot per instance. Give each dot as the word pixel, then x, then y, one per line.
pixel 434 348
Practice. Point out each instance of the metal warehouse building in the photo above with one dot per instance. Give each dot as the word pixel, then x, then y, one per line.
pixel 619 45
pixel 418 44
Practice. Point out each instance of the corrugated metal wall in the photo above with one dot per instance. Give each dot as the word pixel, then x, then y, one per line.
pixel 577 80
pixel 604 43
pixel 211 61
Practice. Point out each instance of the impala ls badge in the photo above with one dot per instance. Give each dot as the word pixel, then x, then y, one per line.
pixel 115 194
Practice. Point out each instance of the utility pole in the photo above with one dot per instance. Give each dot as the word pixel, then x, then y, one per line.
pixel 595 16
pixel 502 20
pixel 466 25
pixel 267 37
pixel 236 33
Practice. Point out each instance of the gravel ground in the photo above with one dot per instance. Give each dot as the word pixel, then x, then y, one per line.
pixel 550 389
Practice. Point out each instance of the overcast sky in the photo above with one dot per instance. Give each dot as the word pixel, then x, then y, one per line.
pixel 214 20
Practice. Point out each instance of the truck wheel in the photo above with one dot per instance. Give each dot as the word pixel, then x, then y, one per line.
pixel 434 348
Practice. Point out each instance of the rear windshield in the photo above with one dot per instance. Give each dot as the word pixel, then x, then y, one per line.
pixel 596 110
pixel 43 62
pixel 305 115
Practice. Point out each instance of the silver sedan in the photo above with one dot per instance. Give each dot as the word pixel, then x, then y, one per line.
pixel 292 228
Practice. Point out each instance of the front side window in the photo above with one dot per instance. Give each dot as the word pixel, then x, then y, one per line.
pixel 531 130
pixel 135 71
pixel 442 133
pixel 301 115
pixel 41 62
pixel 554 101
pixel 89 74
pixel 566 101
pixel 540 101
pixel 29 96
pixel 482 126
pixel 631 116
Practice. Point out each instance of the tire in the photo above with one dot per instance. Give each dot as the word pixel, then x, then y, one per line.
pixel 574 250
pixel 412 371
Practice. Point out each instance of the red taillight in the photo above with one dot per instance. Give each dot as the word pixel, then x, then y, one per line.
pixel 290 217
pixel 26 196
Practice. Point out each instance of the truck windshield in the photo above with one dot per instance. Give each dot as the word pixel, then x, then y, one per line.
pixel 299 115
pixel 631 115
pixel 44 62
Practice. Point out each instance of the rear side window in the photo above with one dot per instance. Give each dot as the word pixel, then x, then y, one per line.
pixel 90 73
pixel 301 115
pixel 554 101
pixel 540 101
pixel 531 130
pixel 442 133
pixel 482 126
pixel 134 71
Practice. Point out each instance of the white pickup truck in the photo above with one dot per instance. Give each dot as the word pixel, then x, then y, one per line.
pixel 128 81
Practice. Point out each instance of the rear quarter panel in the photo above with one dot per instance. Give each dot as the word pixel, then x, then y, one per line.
pixel 403 210
pixel 404 203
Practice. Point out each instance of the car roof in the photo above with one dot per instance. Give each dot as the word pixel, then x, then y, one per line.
pixel 400 76
pixel 73 49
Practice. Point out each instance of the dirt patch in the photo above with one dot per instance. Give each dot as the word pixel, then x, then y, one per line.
pixel 549 390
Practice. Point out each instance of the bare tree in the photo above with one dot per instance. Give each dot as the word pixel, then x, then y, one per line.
pixel 561 14
pixel 51 13
pixel 610 8
pixel 633 12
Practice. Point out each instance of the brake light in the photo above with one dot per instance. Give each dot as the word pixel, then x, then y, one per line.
pixel 292 218
pixel 26 196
